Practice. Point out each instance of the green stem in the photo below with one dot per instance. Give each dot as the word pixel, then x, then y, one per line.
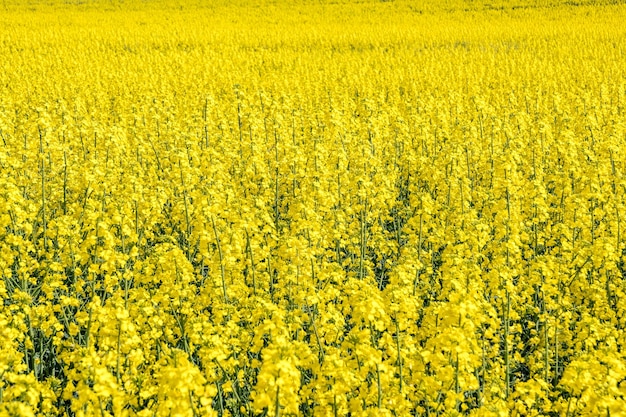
pixel 556 353
pixel 399 353
pixel 507 363
pixel 119 340
pixel 249 249
pixel 219 250
pixel 546 357
pixel 317 337
pixel 188 237
pixel 64 183
pixel 277 404
pixel 380 390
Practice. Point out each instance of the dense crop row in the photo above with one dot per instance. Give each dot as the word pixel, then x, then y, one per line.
pixel 312 209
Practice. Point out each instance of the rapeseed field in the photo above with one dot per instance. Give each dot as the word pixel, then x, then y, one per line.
pixel 312 208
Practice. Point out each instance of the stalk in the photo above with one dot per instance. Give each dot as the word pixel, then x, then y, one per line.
pixel 220 399
pixel 462 197
pixel 399 354
pixel 469 171
pixel 556 352
pixel 457 387
pixel 89 323
pixel 507 360
pixel 484 367
pixel 619 229
pixel 277 403
pixel 219 250
pixel 508 224
pixel 419 254
pixel 380 390
pixel 206 128
pixel 240 124
pixel 276 184
pixel 182 181
pixel 492 161
pixel 249 249
pixel 363 242
pixel 593 222
pixel 193 409
pixel 43 193
pixel 317 336
pixel 546 354
pixel 64 182
pixel 117 364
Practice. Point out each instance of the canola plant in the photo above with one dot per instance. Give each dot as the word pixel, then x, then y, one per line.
pixel 272 208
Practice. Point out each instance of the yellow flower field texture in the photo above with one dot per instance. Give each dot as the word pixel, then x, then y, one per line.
pixel 312 208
